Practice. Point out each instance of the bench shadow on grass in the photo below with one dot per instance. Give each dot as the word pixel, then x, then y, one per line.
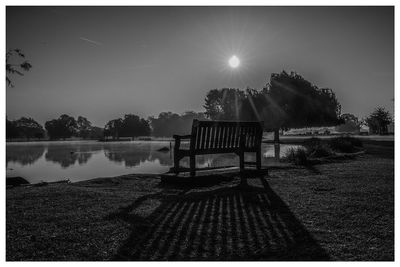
pixel 232 223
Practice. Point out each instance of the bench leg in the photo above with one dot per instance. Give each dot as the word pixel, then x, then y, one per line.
pixel 192 165
pixel 176 162
pixel 258 159
pixel 241 160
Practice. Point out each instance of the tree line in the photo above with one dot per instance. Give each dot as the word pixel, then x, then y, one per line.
pixel 378 122
pixel 286 101
pixel 61 128
pixel 165 125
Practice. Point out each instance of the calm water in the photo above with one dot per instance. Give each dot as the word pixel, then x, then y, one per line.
pixel 82 160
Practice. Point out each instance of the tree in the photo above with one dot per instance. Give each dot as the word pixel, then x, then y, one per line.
pixel 294 102
pixel 11 129
pixel 24 128
pixel 84 127
pixel 168 123
pixel 223 104
pixel 130 126
pixel 63 127
pixel 15 67
pixel 96 132
pixel 29 128
pixel 379 120
pixel 350 123
pixel 287 101
pixel 133 126
pixel 113 128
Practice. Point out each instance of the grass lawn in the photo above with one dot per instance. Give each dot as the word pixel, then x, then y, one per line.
pixel 337 211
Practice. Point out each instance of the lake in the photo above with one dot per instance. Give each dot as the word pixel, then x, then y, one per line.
pixel 83 160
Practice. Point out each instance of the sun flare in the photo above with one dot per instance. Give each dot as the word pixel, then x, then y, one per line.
pixel 234 62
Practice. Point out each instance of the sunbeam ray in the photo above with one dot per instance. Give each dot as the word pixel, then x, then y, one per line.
pixel 253 106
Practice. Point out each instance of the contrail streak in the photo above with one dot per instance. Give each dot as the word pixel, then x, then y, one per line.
pixel 90 41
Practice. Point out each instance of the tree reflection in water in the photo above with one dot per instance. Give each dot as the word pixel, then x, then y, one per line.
pixel 67 155
pixel 24 155
pixel 129 158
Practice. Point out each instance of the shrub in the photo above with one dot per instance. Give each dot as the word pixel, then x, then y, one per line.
pixel 320 150
pixel 345 144
pixel 317 148
pixel 297 155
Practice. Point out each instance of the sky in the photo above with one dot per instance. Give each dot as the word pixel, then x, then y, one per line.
pixel 104 62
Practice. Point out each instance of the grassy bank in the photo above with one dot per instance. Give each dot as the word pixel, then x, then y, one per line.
pixel 337 211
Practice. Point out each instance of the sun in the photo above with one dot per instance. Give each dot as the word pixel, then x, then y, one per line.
pixel 234 62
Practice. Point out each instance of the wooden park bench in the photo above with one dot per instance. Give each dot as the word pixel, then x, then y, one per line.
pixel 216 137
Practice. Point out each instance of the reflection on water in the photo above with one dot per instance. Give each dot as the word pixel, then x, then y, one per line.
pixel 65 156
pixel 24 155
pixel 81 160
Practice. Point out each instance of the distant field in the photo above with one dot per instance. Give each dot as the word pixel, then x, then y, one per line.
pixel 300 138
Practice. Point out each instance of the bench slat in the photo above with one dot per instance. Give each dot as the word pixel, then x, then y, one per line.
pixel 217 128
pixel 229 137
pixel 204 141
pixel 225 136
pixel 234 133
pixel 209 133
pixel 203 133
pixel 198 137
pixel 250 137
pixel 245 136
pixel 213 132
pixel 228 142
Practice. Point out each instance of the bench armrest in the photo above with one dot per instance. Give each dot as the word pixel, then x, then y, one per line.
pixel 175 136
pixel 178 141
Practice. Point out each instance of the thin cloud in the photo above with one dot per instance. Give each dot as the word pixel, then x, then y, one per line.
pixel 90 41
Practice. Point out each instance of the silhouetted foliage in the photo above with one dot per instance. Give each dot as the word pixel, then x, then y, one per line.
pixel 15 67
pixel 379 120
pixel 345 144
pixel 297 155
pixel 294 102
pixel 224 104
pixel 113 128
pixel 168 123
pixel 130 126
pixel 63 127
pixel 133 125
pixel 96 132
pixel 317 147
pixel 11 129
pixel 24 128
pixel 287 101
pixel 351 123
pixel 84 127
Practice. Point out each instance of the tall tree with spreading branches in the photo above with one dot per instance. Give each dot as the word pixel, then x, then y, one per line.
pixel 15 64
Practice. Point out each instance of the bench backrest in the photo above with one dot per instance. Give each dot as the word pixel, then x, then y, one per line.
pixel 224 136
